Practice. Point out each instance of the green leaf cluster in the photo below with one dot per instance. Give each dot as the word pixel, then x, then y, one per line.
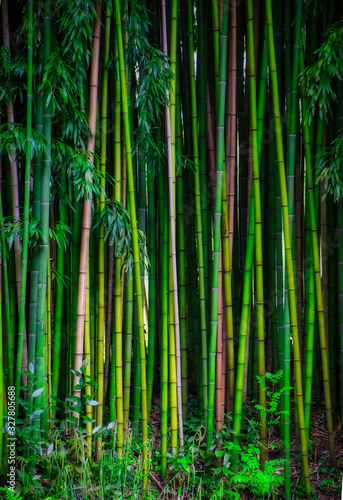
pixel 13 137
pixel 75 20
pixel 323 75
pixel 153 74
pixel 263 483
pixel 118 231
pixel 11 71
pixel 80 166
pixel 62 80
pixel 11 495
pixel 329 167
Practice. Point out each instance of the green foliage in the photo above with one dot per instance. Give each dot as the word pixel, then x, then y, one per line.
pixel 323 75
pixel 60 233
pixel 271 411
pixel 249 475
pixel 25 426
pixel 153 75
pixel 153 84
pixel 246 472
pixel 138 22
pixel 329 478
pixel 329 167
pixel 118 231
pixel 44 457
pixel 75 130
pixel 14 229
pixel 13 141
pixel 80 166
pixel 11 495
pixel 75 20
pixel 63 81
pixel 11 71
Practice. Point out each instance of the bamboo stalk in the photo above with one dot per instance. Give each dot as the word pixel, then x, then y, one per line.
pixel 86 226
pixel 198 211
pixel 132 205
pixel 317 273
pixel 288 248
pixel 21 324
pixel 217 225
pixel 258 228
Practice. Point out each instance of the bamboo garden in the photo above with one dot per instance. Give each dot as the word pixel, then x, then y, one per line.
pixel 171 265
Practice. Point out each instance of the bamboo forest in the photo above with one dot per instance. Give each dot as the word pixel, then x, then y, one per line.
pixel 171 249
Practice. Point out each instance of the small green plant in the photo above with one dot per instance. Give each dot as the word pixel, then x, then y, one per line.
pixel 329 479
pixel 239 463
pixel 273 396
pixel 42 458
pixel 263 483
pixel 10 494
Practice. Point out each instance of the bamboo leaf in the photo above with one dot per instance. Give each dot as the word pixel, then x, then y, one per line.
pixel 92 402
pixel 37 392
pixel 36 413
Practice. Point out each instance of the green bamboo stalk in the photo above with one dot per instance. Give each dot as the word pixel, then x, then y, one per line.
pixel 131 195
pixel 202 80
pixel 198 212
pixel 21 324
pixel 220 384
pixel 181 252
pixel 310 327
pixel 288 248
pixel 258 228
pixel 317 270
pixel 36 212
pixel 101 240
pixel 194 354
pixel 217 224
pixel 8 347
pixel 164 332
pixel 232 120
pixel 43 249
pixel 119 395
pixel 2 385
pixel 272 266
pixel 290 195
pixel 279 265
pixel 299 210
pixel 56 356
pixel 128 346
pixel 152 240
pixel 242 135
pixel 99 331
pixel 118 323
pixel 332 266
pixel 74 267
pixel 170 132
pixel 14 186
pixel 152 284
pixel 244 324
pixel 118 287
pixel 173 318
pixel 108 321
pixel 228 311
pixel 172 359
